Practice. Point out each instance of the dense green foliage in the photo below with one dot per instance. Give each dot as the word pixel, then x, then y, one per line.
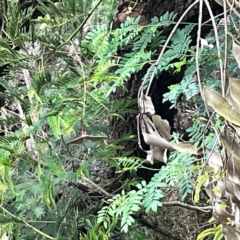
pixel 61 73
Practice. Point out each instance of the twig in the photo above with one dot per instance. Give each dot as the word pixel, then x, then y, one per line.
pixel 96 186
pixel 226 47
pixel 197 48
pixel 66 146
pixel 187 206
pixel 216 16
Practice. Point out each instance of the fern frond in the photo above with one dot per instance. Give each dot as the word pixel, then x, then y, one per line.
pixel 128 207
pixel 167 18
pixel 96 39
pixel 129 164
pixel 12 137
pixel 9 120
pixel 179 48
pixel 132 63
pixel 41 81
pixel 153 192
pixel 15 92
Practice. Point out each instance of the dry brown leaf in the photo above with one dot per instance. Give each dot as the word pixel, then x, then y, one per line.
pixel 236 52
pixel 231 144
pixel 233 177
pixel 234 90
pixel 220 214
pixel 236 190
pixel 145 104
pixel 156 153
pixel 235 105
pixel 230 233
pixel 220 105
pixel 220 2
pixel 209 190
pixel 185 147
pixel 162 126
pixel 221 186
pixel 157 143
pixel 233 190
pixel 231 101
pixel 79 140
pixel 151 135
pixel 215 160
pixel 233 166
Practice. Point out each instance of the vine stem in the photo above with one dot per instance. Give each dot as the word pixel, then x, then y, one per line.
pixel 165 46
pixel 226 48
pixel 217 45
pixel 197 48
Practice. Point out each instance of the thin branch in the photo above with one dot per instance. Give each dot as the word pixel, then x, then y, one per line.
pixel 80 186
pixel 81 25
pixel 96 186
pixel 216 17
pixel 66 146
pixel 226 47
pixel 187 206
pixel 197 48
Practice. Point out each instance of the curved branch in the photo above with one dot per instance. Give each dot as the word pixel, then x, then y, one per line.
pixel 184 205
